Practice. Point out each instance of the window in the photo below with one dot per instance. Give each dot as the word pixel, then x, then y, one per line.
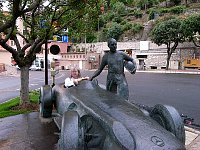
pixel 141 56
pixel 188 61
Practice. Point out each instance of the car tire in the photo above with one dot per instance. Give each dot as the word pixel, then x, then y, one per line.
pixel 71 137
pixel 46 102
pixel 170 119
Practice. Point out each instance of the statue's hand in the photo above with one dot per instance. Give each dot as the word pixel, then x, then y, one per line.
pixel 91 78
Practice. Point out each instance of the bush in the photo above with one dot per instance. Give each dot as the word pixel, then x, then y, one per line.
pixel 117 19
pixel 119 8
pixel 136 28
pixel 164 10
pixel 114 31
pixel 177 9
pixel 109 16
pixel 127 26
pixel 152 13
pixel 138 14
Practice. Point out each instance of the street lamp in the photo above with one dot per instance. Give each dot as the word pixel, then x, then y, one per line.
pixel 46 62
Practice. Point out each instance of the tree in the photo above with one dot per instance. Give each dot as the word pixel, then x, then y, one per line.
pixel 40 22
pixel 191 29
pixel 169 33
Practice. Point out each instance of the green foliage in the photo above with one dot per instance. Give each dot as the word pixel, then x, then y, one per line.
pixel 191 26
pixel 177 9
pixel 136 28
pixel 135 12
pixel 127 26
pixel 152 13
pixel 114 31
pixel 117 19
pixel 138 14
pixel 119 8
pixel 167 32
pixel 149 3
pixel 161 11
pixel 6 109
pixel 109 16
pixel 164 10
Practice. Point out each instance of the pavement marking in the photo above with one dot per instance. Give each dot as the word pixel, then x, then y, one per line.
pixel 33 84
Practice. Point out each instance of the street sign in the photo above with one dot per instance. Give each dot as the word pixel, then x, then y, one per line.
pixel 65 38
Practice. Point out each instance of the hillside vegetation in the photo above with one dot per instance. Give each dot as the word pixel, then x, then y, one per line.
pixel 128 22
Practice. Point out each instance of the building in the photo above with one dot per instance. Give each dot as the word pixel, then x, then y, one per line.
pixel 148 55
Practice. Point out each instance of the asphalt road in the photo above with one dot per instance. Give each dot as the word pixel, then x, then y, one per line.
pixel 181 91
pixel 10 85
pixel 178 90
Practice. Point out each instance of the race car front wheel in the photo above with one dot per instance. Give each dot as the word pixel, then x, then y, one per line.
pixel 71 137
pixel 170 119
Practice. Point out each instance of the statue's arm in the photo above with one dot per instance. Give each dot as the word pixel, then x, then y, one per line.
pixel 101 67
pixel 127 57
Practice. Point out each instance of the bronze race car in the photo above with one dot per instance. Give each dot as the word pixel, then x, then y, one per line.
pixel 89 117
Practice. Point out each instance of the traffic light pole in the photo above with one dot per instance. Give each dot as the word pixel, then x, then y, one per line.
pixel 46 62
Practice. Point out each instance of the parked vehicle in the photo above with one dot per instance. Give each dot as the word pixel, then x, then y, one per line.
pixel 35 68
pixel 90 117
pixel 192 63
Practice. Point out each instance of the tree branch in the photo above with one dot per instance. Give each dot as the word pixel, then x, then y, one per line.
pixel 16 43
pixel 8 48
pixel 33 6
pixel 21 35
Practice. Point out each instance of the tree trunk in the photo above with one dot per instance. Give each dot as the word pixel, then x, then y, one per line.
pixel 169 53
pixel 24 90
pixel 167 66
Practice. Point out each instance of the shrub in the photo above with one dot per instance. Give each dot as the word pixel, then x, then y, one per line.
pixel 117 19
pixel 177 9
pixel 119 8
pixel 138 14
pixel 114 31
pixel 127 26
pixel 136 28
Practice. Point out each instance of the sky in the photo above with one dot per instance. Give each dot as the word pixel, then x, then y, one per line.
pixel 6 3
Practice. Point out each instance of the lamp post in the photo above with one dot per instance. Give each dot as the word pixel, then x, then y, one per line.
pixel 42 25
pixel 46 62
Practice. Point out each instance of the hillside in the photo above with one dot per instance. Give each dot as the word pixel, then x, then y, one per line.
pixel 133 24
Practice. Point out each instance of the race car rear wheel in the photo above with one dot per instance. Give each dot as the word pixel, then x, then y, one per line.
pixel 71 137
pixel 170 119
pixel 46 102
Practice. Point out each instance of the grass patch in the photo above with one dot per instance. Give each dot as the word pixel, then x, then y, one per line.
pixel 11 107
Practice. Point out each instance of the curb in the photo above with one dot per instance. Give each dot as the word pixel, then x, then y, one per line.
pixel 189 129
pixel 170 71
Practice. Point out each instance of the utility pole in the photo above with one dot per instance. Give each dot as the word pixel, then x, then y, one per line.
pixel 46 62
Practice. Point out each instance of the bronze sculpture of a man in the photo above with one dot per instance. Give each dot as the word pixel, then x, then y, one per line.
pixel 116 81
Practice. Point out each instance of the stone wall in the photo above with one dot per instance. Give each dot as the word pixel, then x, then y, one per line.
pixel 156 56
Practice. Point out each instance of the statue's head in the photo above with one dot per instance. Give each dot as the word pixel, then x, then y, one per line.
pixel 112 44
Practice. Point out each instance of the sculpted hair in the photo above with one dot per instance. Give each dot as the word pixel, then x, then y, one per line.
pixel 111 39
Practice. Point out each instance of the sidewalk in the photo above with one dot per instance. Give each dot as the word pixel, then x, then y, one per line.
pixel 192 139
pixel 187 71
pixel 30 132
pixel 27 132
